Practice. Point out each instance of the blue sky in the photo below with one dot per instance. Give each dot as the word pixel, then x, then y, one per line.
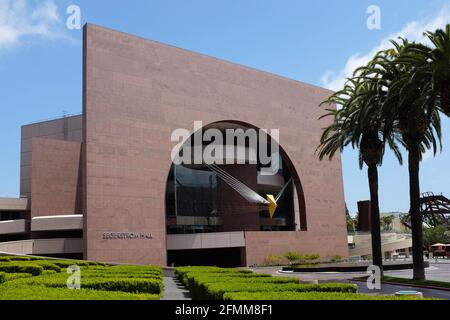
pixel 318 42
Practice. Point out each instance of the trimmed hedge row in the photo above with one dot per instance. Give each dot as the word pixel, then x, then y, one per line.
pixel 310 296
pixel 35 270
pixel 18 258
pixel 183 273
pixel 28 278
pixel 215 291
pixel 8 292
pixel 212 283
pixel 136 285
pixel 15 276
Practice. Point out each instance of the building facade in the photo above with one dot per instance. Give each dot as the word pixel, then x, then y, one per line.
pixel 103 184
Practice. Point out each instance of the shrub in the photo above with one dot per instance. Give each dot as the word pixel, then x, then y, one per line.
pixel 47 272
pixel 125 285
pixel 293 257
pixel 15 276
pixel 311 257
pixel 113 284
pixel 309 296
pixel 273 259
pixel 44 293
pixel 48 266
pixel 212 283
pixel 32 258
pixel 19 258
pixel 336 258
pixel 21 268
pixel 215 291
pixel 4 259
pixel 42 279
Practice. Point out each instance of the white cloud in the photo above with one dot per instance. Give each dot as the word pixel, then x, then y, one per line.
pixel 413 31
pixel 19 20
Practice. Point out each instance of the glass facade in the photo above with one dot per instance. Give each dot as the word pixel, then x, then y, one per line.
pixel 198 200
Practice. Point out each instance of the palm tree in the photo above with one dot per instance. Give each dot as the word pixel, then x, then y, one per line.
pixel 433 65
pixel 410 108
pixel 358 123
pixel 386 221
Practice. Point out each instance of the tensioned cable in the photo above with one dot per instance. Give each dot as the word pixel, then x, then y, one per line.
pixel 241 188
pixel 282 190
pixel 237 185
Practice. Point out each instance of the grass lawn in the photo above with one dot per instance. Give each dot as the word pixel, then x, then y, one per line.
pixel 30 278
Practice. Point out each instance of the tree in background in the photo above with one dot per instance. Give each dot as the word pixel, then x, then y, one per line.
pixel 434 235
pixel 386 222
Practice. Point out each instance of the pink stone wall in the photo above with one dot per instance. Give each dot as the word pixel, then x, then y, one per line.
pixel 260 245
pixel 68 128
pixel 138 91
pixel 55 177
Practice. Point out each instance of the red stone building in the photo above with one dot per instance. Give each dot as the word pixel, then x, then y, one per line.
pixel 103 185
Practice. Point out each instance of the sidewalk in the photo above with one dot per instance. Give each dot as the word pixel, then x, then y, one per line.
pixel 174 290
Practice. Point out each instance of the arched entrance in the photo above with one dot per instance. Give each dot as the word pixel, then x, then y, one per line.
pixel 205 199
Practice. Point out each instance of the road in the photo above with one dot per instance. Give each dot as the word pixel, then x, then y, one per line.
pixel 439 271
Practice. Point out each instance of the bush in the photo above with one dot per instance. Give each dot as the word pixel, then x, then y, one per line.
pixel 311 257
pixel 336 258
pixel 47 272
pixel 293 257
pixel 41 279
pixel 48 266
pixel 45 293
pixel 309 296
pixel 215 291
pixel 273 259
pixel 108 284
pixel 21 268
pixel 125 285
pixel 4 259
pixel 213 283
pixel 15 276
pixel 19 258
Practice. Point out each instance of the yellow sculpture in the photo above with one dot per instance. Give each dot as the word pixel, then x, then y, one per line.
pixel 272 205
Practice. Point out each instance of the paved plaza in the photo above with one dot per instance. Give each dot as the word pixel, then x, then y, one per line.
pixel 439 271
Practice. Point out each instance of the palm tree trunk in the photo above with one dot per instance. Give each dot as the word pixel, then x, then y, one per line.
pixel 377 257
pixel 416 217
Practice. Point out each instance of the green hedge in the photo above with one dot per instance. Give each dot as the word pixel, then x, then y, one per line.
pixel 125 285
pixel 47 265
pixel 433 283
pixel 14 276
pixel 215 291
pixel 21 268
pixel 138 285
pixel 309 296
pixel 19 258
pixel 34 278
pixel 45 293
pixel 211 283
pixel 183 273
